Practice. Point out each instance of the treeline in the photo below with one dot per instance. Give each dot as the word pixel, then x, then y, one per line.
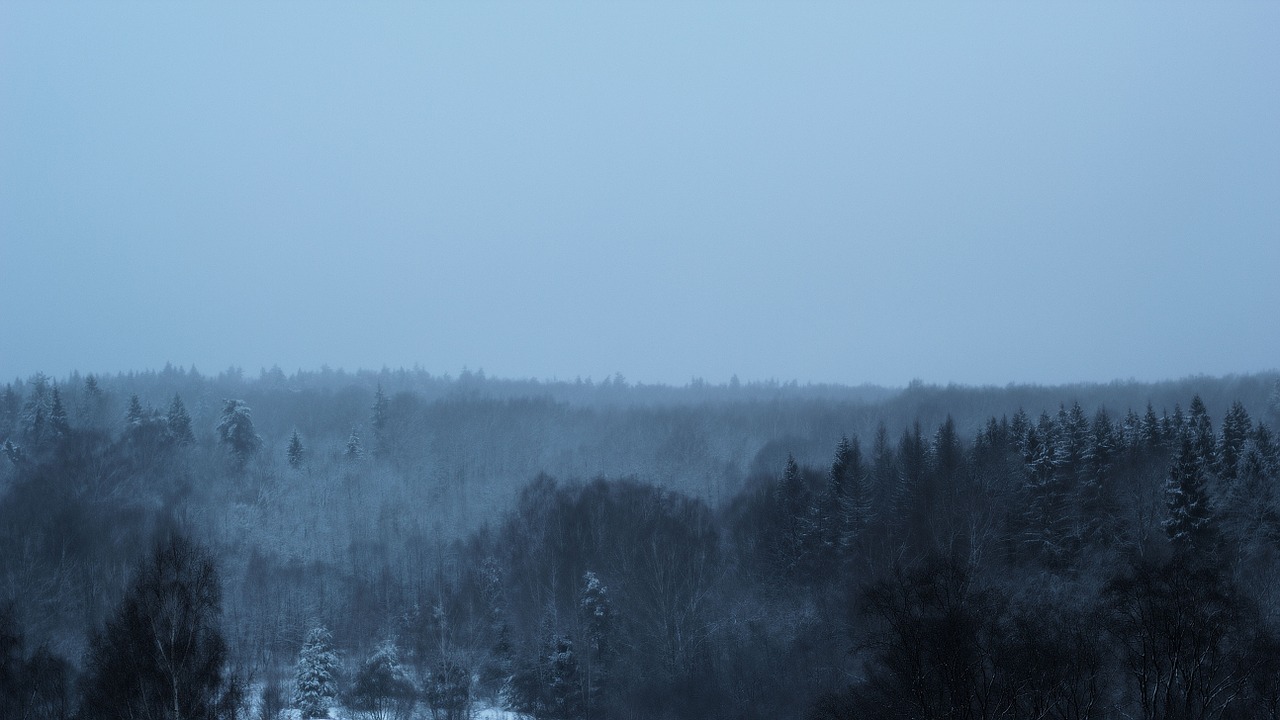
pixel 1070 564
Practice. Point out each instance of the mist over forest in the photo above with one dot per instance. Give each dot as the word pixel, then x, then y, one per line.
pixel 398 544
pixel 642 220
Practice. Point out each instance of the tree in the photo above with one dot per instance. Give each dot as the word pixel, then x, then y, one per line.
pixel 378 419
pixel 1188 639
pixel 314 687
pixel 235 430
pixel 59 425
pixel 551 688
pixel 597 617
pixel 162 655
pixel 1188 523
pixel 381 689
pixel 134 416
pixel 295 450
pixel 178 423
pixel 1203 440
pixel 1236 427
pixel 354 449
pixel 31 688
pixel 448 692
pixel 794 529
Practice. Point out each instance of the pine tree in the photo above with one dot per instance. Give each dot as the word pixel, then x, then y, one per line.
pixel 1130 431
pixel 1236 428
pixel 564 689
pixel 235 430
pixel 795 524
pixel 1073 440
pixel 315 687
pixel 59 425
pixel 1018 427
pixel 134 416
pixel 1251 500
pixel 1203 440
pixel 378 420
pixel 597 620
pixel 1189 521
pixel 381 688
pixel 14 453
pixel 178 423
pixel 846 500
pixel 1095 490
pixel 1153 434
pixel 295 450
pixel 354 450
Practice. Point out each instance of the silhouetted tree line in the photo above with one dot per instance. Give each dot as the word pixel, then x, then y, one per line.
pixel 1070 564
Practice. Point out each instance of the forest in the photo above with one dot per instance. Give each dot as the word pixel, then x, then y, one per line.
pixel 396 544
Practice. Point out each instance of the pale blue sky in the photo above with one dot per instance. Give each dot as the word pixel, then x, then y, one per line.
pixel 979 193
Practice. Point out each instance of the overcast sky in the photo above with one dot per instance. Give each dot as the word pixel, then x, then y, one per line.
pixel 853 192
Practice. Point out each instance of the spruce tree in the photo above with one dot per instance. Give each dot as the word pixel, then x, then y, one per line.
pixel 378 419
pixel 597 621
pixel 235 430
pixel 59 425
pixel 1203 440
pixel 295 450
pixel 1189 521
pixel 178 423
pixel 315 686
pixel 134 416
pixel 354 449
pixel 1236 428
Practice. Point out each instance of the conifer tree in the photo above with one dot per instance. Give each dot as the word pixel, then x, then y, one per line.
pixel 381 688
pixel 295 450
pixel 236 431
pixel 1236 428
pixel 134 416
pixel 1202 438
pixel 354 449
pixel 315 686
pixel 1153 434
pixel 846 499
pixel 178 423
pixel 59 425
pixel 597 616
pixel 378 419
pixel 1189 520
pixel 795 523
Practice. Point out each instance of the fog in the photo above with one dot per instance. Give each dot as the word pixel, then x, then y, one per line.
pixel 981 194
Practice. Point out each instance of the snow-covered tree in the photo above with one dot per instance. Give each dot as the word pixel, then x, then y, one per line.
pixel 381 689
pixel 315 686
pixel 178 423
pixel 235 430
pixel 378 419
pixel 354 449
pixel 448 691
pixel 13 452
pixel 597 619
pixel 795 525
pixel 295 450
pixel 134 416
pixel 1236 428
pixel 1189 521
pixel 1203 440
pixel 59 425
pixel 846 501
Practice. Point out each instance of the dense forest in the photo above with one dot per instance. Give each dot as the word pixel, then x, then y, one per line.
pixel 401 545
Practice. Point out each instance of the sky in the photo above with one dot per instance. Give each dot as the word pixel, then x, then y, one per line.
pixel 979 193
